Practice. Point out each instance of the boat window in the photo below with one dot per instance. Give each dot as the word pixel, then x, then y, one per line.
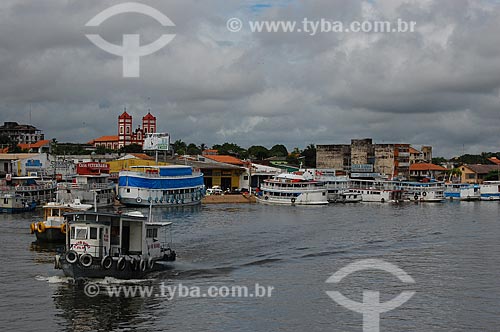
pixel 93 233
pixel 152 232
pixel 81 233
pixel 72 233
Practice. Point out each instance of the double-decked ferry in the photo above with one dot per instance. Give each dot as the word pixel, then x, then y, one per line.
pixel 336 186
pixel 423 191
pixel 161 186
pixel 90 185
pixel 292 189
pixel 25 193
pixel 377 191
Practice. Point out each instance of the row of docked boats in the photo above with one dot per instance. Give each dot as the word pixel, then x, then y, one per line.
pixel 320 187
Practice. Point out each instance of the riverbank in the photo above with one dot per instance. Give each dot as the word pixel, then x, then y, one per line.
pixel 228 199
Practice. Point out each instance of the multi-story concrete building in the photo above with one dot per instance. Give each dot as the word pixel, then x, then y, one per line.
pixel 363 158
pixel 21 133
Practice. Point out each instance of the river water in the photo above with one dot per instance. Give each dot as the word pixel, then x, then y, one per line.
pixel 451 250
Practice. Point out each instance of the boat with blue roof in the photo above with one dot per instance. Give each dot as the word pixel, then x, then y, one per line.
pixel 172 185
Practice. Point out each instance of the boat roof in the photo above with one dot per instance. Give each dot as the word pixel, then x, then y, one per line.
pixel 106 214
pixel 164 166
pixel 159 223
pixel 25 177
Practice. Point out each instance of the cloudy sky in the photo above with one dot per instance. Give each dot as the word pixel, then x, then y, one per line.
pixel 438 85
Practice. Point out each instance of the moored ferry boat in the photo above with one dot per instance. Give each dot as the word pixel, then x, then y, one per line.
pixel 52 228
pixel 377 191
pixel 462 191
pixel 490 191
pixel 25 193
pixel 423 191
pixel 91 185
pixel 292 189
pixel 161 186
pixel 122 246
pixel 335 185
pixel 10 202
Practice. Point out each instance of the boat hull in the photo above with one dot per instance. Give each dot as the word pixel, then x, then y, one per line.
pixel 50 235
pixel 77 271
pixel 145 202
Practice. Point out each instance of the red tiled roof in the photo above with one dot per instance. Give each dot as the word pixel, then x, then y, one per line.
pixel 494 160
pixel 426 167
pixel 149 117
pixel 414 151
pixel 482 169
pixel 39 144
pixel 125 115
pixel 112 138
pixel 225 159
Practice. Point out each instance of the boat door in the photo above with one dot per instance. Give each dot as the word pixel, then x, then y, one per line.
pixel 125 240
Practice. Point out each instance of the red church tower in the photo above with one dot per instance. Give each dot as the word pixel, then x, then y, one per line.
pixel 124 129
pixel 149 124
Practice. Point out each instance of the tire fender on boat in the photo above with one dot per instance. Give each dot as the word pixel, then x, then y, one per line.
pixel 151 263
pixel 138 200
pixel 63 228
pixel 86 260
pixel 134 264
pixel 106 262
pixel 32 228
pixel 143 265
pixel 424 194
pixel 266 197
pixel 293 200
pixel 41 227
pixel 71 257
pixel 121 264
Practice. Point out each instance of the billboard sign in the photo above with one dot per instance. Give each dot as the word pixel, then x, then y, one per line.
pixel 362 168
pixel 156 142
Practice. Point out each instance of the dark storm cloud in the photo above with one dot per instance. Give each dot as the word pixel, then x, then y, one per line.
pixel 439 85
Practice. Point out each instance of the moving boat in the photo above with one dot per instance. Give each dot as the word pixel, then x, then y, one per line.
pixel 161 186
pixel 292 189
pixel 490 191
pixel 462 191
pixel 122 246
pixel 52 229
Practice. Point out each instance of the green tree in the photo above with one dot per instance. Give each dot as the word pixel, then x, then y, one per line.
pixel 279 150
pixel 131 148
pixel 310 155
pixel 493 176
pixel 193 149
pixel 231 149
pixel 258 152
pixel 439 160
pixel 179 147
